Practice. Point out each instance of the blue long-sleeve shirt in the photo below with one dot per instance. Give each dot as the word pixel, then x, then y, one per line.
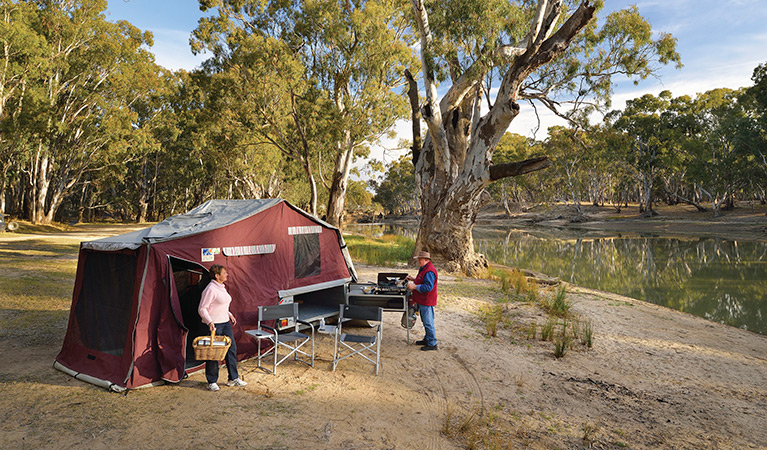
pixel 428 283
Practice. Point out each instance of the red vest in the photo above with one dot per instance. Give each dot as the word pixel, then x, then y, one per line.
pixel 427 298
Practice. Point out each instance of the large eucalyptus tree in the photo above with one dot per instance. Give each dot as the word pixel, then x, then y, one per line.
pixel 504 52
pixel 325 77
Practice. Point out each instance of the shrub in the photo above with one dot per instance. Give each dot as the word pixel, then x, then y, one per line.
pixel 519 282
pixel 463 427
pixel 532 292
pixel 512 281
pixel 532 331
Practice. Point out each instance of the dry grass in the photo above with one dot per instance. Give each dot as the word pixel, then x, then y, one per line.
pixel 36 289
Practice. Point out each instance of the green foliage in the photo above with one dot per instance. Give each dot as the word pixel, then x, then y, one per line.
pixel 532 292
pixel 318 76
pixel 291 87
pixel 73 78
pixel 358 196
pixel 563 334
pixel 397 192
pixel 514 284
pixel 289 92
pixel 532 331
pixel 584 331
pixel 514 147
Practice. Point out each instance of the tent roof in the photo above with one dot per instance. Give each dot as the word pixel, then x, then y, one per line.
pixel 210 215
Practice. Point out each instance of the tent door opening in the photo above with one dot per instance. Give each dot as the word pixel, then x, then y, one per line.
pixel 190 279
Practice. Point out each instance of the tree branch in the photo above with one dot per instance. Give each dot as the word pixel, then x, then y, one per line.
pixel 412 93
pixel 559 41
pixel 512 169
pixel 431 112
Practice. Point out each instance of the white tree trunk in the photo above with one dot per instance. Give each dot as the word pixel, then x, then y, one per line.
pixel 339 183
pixel 455 165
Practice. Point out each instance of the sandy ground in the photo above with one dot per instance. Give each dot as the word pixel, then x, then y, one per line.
pixel 655 378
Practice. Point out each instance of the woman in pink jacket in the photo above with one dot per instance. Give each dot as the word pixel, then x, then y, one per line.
pixel 214 310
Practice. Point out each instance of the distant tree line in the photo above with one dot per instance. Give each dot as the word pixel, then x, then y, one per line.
pixel 708 151
pixel 92 128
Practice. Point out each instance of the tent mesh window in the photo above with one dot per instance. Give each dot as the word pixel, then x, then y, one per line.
pixel 104 304
pixel 306 255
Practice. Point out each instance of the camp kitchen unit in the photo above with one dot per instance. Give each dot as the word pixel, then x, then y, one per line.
pixel 389 293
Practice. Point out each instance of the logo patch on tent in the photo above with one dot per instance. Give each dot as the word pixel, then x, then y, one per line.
pixel 244 250
pixel 209 254
pixel 292 231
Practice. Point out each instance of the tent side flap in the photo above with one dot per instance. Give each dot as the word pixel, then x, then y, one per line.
pixel 99 336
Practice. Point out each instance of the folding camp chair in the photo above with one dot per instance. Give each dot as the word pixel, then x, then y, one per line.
pixel 291 340
pixel 357 344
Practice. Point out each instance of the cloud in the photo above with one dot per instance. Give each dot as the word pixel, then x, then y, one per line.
pixel 172 51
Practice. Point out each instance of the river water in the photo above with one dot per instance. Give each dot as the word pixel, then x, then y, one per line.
pixel 719 279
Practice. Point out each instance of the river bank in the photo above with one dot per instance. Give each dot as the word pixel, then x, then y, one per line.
pixel 747 221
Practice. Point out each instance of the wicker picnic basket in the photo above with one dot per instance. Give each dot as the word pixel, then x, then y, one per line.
pixel 211 348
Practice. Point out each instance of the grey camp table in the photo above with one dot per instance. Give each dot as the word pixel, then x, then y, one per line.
pixel 389 301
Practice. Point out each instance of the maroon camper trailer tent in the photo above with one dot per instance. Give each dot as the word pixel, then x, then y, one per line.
pixel 134 305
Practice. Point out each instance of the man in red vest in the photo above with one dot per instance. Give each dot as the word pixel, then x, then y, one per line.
pixel 424 287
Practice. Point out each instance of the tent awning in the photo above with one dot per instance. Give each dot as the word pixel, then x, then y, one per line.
pixel 313 287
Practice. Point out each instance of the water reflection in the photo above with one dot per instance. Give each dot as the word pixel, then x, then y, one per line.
pixel 377 230
pixel 719 279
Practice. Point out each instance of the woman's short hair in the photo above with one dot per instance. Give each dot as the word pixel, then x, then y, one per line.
pixel 216 269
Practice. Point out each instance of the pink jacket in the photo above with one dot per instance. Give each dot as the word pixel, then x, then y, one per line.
pixel 214 303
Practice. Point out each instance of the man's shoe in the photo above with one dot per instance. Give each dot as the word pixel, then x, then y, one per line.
pixel 420 342
pixel 236 382
pixel 213 387
pixel 429 347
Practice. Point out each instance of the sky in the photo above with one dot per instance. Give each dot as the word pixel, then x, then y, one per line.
pixel 720 43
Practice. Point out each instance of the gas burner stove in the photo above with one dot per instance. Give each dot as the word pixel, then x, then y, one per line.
pixel 396 290
pixel 391 283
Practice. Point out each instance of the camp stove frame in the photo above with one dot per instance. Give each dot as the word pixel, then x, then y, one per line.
pixel 390 294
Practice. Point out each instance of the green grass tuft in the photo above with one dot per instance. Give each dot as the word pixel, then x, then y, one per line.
pixel 557 305
pixel 547 330
pixel 563 341
pixel 492 315
pixel 384 251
